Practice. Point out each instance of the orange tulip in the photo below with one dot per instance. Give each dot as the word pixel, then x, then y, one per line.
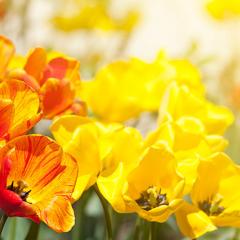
pixel 19 109
pixel 37 180
pixel 54 76
pixel 56 80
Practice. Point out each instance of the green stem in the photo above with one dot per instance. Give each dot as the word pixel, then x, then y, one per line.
pixel 76 231
pixel 152 231
pixel 2 222
pixel 136 235
pixel 106 213
pixel 150 237
pixel 79 207
pixel 236 234
pixel 12 229
pixel 33 231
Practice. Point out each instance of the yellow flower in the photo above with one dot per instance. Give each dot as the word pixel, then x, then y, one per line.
pixel 153 189
pixel 124 89
pixel 223 9
pixel 181 102
pixel 98 148
pixel 188 74
pixel 93 15
pixel 215 199
pixel 188 142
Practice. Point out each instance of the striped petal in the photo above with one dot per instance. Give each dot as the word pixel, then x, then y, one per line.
pixel 49 173
pixel 24 114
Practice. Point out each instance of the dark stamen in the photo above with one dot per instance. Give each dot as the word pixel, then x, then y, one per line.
pixel 152 198
pixel 11 186
pixel 211 208
pixel 24 195
pixel 19 189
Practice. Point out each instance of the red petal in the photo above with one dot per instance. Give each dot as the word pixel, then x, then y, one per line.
pixel 5 167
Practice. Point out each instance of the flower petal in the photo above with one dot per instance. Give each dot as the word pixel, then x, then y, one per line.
pixel 57 213
pixel 57 97
pixel 10 202
pixel 26 106
pixel 36 62
pixel 157 168
pixel 6 116
pixel 5 167
pixel 204 187
pixel 192 221
pixel 78 137
pixel 49 174
pixel 6 52
pixel 61 67
pixel 41 157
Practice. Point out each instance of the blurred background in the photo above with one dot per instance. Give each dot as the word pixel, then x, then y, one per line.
pixel 99 31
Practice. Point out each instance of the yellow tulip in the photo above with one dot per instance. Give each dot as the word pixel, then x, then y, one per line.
pixel 214 196
pixel 185 73
pixel 188 140
pixel 126 173
pixel 181 102
pixel 98 148
pixel 124 89
pixel 153 189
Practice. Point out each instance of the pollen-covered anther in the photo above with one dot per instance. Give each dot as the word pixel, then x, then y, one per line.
pixel 211 207
pixel 20 189
pixel 152 198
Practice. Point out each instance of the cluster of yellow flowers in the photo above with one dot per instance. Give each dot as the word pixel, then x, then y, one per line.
pixel 223 9
pixel 93 15
pixel 177 168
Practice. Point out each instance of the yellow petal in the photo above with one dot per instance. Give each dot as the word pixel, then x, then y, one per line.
pixel 188 134
pixel 157 168
pixel 79 137
pixel 112 145
pixel 188 74
pixel 218 118
pixel 193 222
pixel 165 132
pixel 6 52
pixel 179 102
pixel 112 188
pixel 204 187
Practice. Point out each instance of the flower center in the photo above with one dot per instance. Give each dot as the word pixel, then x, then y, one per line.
pixel 152 198
pixel 211 208
pixel 19 188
